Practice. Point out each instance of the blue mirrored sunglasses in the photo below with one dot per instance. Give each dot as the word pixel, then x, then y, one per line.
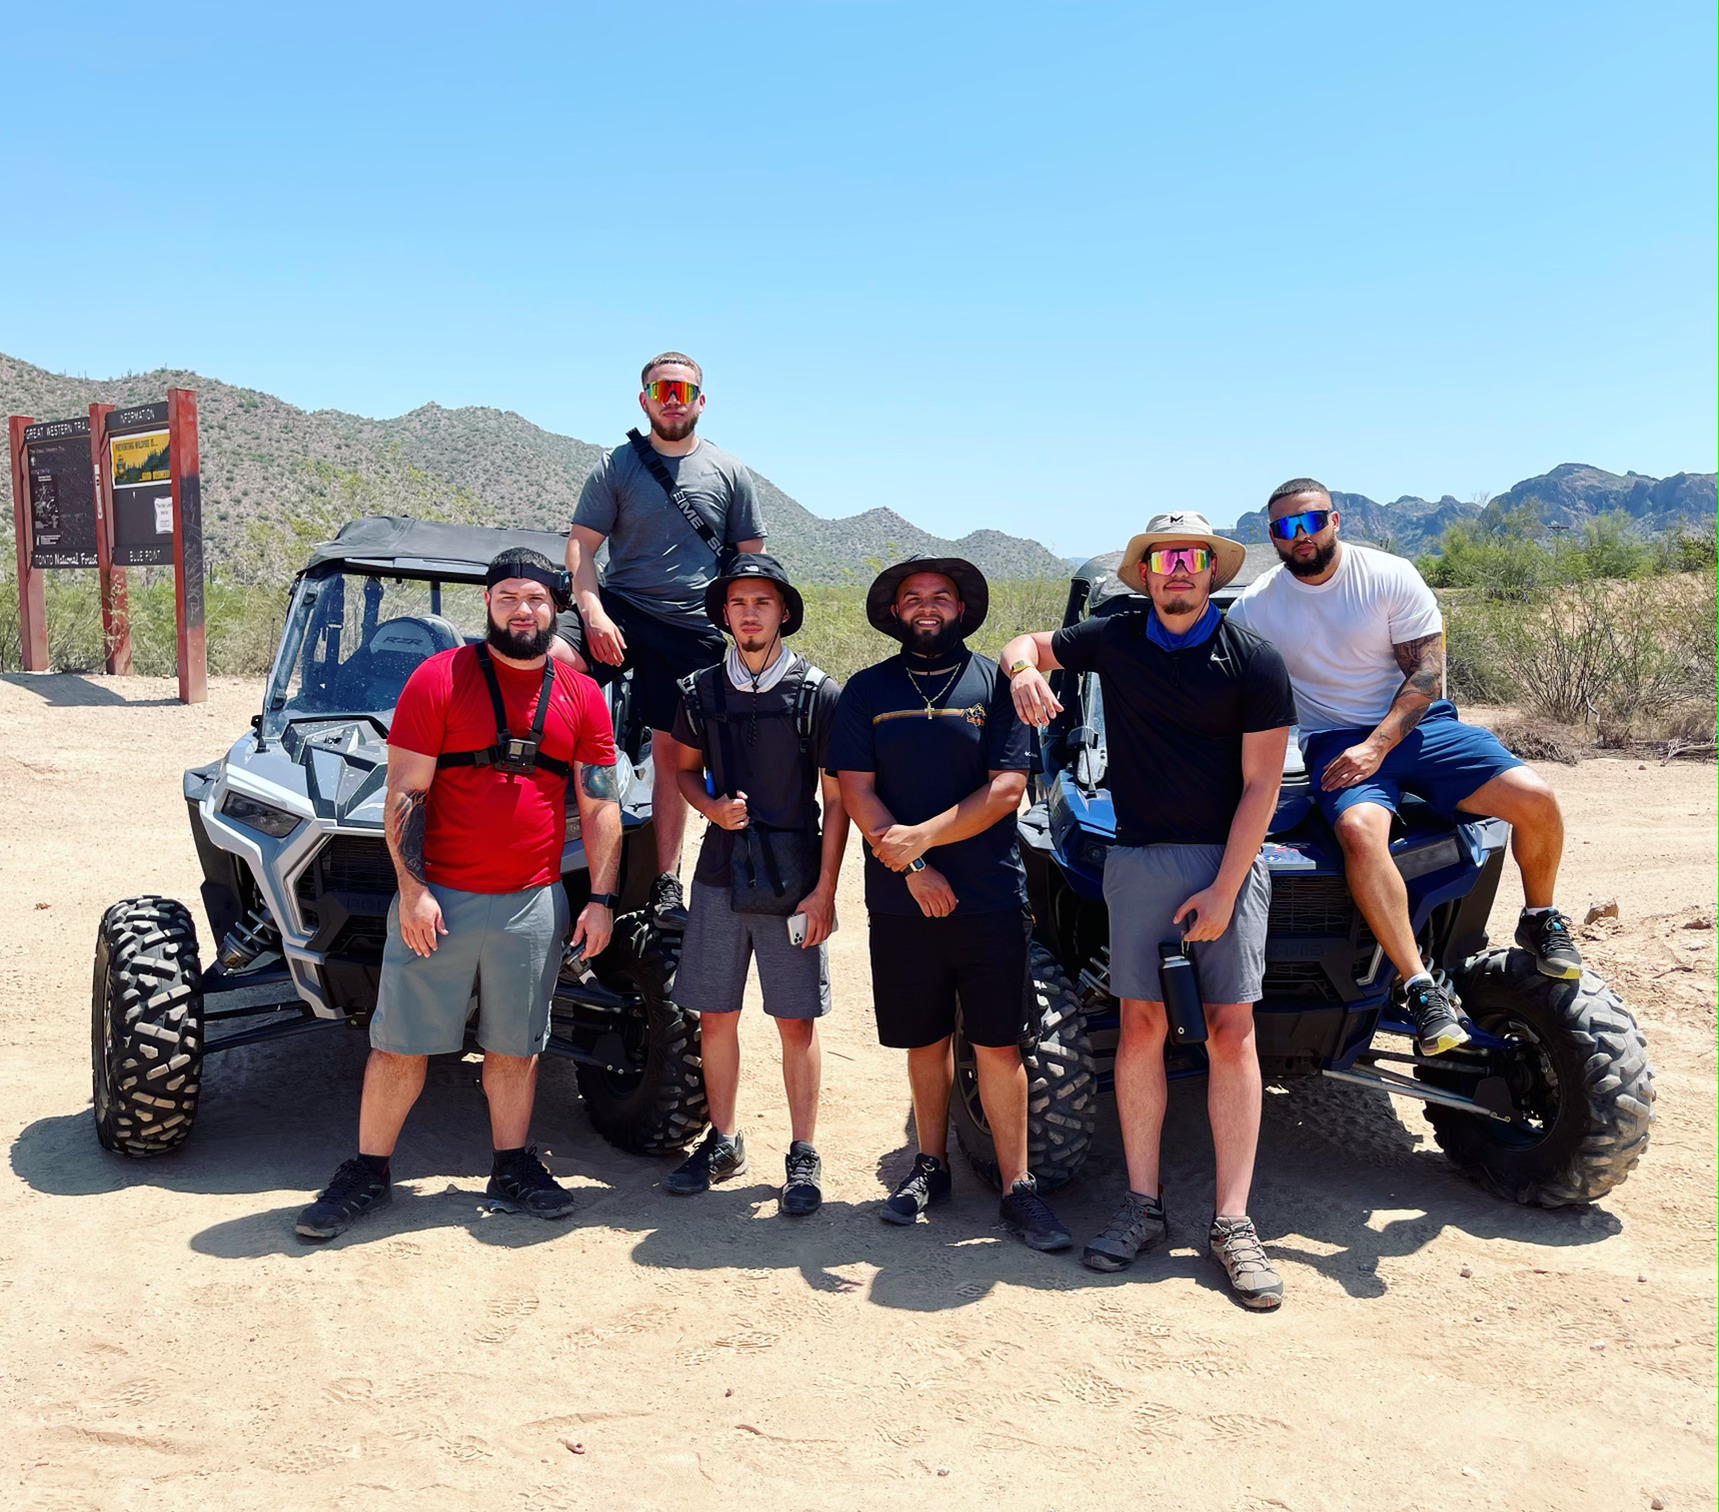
pixel 1311 520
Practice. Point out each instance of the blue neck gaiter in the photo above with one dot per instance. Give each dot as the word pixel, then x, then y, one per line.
pixel 1200 630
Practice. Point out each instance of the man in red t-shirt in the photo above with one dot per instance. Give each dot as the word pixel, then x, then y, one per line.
pixel 478 764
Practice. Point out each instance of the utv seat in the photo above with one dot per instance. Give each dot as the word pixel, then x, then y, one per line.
pixel 378 670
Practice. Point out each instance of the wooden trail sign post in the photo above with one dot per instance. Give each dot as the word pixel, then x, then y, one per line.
pixel 120 488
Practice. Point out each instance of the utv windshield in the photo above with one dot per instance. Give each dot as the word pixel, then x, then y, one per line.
pixel 353 638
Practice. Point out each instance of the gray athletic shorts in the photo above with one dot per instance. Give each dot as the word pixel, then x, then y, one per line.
pixel 505 947
pixel 719 943
pixel 1144 885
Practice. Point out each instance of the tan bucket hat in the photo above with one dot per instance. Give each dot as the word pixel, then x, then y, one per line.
pixel 1227 555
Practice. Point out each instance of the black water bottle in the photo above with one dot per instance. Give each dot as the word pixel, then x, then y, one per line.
pixel 1181 989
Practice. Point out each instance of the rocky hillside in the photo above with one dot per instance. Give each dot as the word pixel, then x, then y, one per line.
pixel 1570 495
pixel 276 477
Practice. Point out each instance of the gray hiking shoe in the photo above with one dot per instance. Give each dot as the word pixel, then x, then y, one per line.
pixel 1235 1246
pixel 1137 1224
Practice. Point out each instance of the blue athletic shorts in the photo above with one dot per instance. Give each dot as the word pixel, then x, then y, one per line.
pixel 1442 761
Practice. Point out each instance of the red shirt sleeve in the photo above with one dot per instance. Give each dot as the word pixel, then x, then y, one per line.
pixel 421 716
pixel 594 740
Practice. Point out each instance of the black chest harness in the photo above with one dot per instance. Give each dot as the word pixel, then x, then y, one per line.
pixel 511 755
pixel 800 706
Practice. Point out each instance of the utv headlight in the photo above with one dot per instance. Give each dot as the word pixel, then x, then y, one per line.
pixel 253 813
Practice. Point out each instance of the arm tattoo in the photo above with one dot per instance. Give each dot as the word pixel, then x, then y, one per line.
pixel 408 824
pixel 601 782
pixel 1422 662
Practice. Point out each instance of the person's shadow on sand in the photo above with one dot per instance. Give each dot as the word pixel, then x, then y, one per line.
pixel 1341 1185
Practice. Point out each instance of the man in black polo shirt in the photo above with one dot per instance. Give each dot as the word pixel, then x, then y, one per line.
pixel 1197 715
pixel 933 763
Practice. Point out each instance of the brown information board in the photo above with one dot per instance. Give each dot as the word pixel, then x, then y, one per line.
pixel 63 520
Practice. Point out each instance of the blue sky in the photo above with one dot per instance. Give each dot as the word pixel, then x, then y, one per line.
pixel 1041 268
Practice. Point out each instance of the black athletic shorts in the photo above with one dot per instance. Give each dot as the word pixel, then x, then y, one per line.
pixel 922 968
pixel 659 654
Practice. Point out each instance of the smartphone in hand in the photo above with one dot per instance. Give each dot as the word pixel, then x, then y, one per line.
pixel 797 926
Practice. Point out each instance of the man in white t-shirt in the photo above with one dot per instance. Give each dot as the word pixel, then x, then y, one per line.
pixel 1363 639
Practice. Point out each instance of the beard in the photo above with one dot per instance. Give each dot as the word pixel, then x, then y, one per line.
pixel 931 643
pixel 517 645
pixel 676 430
pixel 1313 565
pixel 1177 603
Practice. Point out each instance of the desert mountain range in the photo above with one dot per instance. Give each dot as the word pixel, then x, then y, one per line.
pixel 276 476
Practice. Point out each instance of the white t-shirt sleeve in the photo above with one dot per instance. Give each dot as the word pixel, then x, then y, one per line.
pixel 1414 608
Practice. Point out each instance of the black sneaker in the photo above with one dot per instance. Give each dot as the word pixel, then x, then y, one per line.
pixel 524 1185
pixel 803 1192
pixel 1029 1215
pixel 926 1183
pixel 668 904
pixel 1546 937
pixel 1437 1027
pixel 716 1159
pixel 355 1191
pixel 1137 1224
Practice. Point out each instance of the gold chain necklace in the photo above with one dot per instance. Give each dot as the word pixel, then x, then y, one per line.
pixel 930 703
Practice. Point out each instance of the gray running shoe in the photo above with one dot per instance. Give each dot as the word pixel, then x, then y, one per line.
pixel 1433 1007
pixel 1137 1224
pixel 1235 1246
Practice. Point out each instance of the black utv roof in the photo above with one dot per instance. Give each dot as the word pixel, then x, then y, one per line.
pixel 402 543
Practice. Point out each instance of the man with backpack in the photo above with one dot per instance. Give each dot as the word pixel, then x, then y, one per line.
pixel 673 509
pixel 765 885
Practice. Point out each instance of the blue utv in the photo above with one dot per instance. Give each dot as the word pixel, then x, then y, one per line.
pixel 1549 1103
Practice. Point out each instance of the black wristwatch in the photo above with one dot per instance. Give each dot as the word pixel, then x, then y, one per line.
pixel 608 900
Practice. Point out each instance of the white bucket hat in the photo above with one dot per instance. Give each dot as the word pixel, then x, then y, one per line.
pixel 1227 555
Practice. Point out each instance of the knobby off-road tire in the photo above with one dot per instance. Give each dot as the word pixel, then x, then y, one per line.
pixel 1062 1098
pixel 146 1027
pixel 1580 1073
pixel 662 1108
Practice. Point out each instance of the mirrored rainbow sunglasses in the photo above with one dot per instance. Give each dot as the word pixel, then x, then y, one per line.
pixel 1167 559
pixel 671 390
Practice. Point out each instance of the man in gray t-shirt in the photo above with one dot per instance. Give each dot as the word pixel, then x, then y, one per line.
pixel 648 614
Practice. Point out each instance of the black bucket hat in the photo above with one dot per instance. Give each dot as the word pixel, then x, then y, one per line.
pixel 969 582
pixel 754 564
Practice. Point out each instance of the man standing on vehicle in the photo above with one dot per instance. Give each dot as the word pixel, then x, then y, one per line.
pixel 933 764
pixel 1363 638
pixel 673 508
pixel 1197 714
pixel 765 884
pixel 484 739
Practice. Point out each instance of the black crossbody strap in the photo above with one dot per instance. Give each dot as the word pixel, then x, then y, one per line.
pixel 653 464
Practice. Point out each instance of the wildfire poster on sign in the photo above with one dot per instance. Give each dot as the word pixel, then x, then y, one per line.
pixel 142 496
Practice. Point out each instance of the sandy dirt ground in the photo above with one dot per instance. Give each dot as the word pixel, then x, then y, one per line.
pixel 166 1342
